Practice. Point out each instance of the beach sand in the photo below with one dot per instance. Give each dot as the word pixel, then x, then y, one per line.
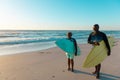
pixel 51 64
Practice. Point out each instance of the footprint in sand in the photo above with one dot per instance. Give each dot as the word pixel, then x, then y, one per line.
pixel 53 76
pixel 63 71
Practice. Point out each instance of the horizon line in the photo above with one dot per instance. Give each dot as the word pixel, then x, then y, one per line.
pixel 53 29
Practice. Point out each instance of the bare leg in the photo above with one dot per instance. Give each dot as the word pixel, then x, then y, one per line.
pixel 72 64
pixel 95 70
pixel 98 71
pixel 68 64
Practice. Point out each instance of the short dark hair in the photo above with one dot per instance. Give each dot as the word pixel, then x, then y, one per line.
pixel 96 25
pixel 70 33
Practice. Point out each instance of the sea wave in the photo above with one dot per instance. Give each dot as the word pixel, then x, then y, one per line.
pixel 26 36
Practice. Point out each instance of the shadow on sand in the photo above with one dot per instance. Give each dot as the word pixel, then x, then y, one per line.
pixel 103 76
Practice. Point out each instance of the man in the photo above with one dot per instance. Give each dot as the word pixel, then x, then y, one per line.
pixel 94 38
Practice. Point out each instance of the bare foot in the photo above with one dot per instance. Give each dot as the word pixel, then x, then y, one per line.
pixel 72 70
pixel 69 69
pixel 97 77
pixel 94 72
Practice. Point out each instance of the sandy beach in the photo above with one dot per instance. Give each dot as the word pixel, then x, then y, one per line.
pixel 51 64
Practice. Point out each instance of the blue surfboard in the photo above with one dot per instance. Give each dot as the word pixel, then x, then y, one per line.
pixel 67 46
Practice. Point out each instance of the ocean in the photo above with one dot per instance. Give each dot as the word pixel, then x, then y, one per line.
pixel 18 41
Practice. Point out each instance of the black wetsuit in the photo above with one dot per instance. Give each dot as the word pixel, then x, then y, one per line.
pixel 97 38
pixel 75 44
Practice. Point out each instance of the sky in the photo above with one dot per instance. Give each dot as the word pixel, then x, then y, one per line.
pixel 59 14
